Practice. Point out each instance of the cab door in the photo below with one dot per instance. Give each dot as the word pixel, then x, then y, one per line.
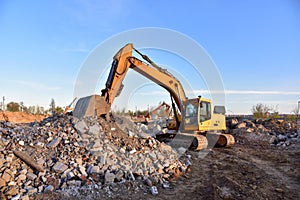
pixel 190 120
pixel 204 115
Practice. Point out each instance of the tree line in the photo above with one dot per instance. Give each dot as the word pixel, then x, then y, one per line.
pixel 20 107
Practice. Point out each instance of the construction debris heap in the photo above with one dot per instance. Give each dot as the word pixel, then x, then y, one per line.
pixel 61 153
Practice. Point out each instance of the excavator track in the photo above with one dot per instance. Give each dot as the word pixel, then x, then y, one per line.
pixel 194 142
pixel 197 142
pixel 200 142
pixel 220 140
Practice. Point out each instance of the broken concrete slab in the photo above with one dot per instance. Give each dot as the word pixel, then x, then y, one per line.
pixel 109 177
pixel 81 127
pixel 60 167
pixel 54 142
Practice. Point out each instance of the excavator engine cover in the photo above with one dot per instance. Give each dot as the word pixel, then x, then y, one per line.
pixel 94 105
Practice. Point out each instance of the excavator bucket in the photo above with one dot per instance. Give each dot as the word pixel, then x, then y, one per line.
pixel 94 105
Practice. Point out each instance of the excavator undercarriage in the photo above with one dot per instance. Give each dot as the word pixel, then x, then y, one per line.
pixel 196 141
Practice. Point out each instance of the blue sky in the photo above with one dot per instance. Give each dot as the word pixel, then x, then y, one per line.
pixel 255 45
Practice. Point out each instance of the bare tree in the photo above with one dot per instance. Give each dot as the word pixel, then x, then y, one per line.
pixel 261 110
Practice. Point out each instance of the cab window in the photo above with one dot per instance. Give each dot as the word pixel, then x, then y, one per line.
pixel 205 111
pixel 191 114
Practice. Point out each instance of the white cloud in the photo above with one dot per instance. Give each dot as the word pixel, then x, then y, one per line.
pixel 286 102
pixel 249 92
pixel 228 92
pixel 262 92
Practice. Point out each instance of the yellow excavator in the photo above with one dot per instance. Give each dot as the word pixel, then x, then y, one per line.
pixel 197 122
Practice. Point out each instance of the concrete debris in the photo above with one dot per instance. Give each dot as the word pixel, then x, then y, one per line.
pixel 165 185
pixel 62 152
pixel 31 176
pixel 25 197
pixel 270 131
pixel 32 190
pixel 59 167
pixel 93 169
pixel 49 188
pixel 109 177
pixel 16 197
pixel 81 127
pixel 154 190
pixel 54 142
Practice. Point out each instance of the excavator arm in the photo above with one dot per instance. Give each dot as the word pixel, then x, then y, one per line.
pixel 162 77
pixel 124 60
pixel 118 71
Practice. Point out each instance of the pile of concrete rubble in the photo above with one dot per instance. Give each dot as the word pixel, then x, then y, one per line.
pixel 273 131
pixel 62 153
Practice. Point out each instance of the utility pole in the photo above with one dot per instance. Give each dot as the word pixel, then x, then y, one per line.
pixel 298 109
pixel 297 120
pixel 3 99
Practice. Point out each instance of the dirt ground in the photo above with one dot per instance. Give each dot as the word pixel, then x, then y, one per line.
pixel 20 117
pixel 241 172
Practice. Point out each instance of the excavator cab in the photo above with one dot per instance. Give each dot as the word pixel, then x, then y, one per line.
pixel 207 124
pixel 197 116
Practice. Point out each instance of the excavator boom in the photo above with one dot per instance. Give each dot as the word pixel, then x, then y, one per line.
pixel 122 61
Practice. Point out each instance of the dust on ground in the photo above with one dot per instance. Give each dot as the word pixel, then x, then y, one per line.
pixel 20 117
